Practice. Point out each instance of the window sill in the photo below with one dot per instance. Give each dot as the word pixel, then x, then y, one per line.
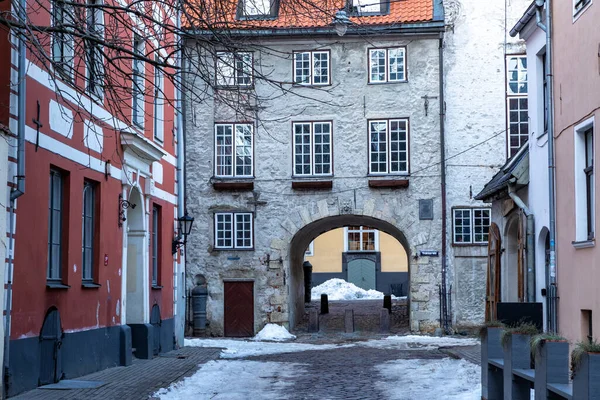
pixel 584 244
pixel 233 184
pixel 388 183
pixel 56 285
pixel 156 287
pixel 224 249
pixel 90 285
pixel 234 87
pixel 312 184
pixel 311 85
pixel 387 82
pixel 469 244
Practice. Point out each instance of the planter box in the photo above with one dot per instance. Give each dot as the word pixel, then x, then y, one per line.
pixel 586 383
pixel 551 367
pixel 517 355
pixel 491 377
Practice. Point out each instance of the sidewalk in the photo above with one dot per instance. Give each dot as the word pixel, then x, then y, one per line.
pixel 469 353
pixel 138 381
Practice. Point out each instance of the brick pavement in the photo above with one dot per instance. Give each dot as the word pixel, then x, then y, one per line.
pixel 469 353
pixel 138 381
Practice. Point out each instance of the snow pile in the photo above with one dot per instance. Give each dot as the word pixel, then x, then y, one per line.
pixel 430 379
pixel 419 342
pixel 274 333
pixel 242 348
pixel 253 380
pixel 339 289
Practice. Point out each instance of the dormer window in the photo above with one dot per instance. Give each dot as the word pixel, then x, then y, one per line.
pixel 369 7
pixel 257 9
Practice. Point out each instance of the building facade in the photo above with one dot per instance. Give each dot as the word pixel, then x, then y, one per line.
pixel 93 207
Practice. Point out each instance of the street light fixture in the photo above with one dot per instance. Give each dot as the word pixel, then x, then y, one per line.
pixel 184 228
pixel 340 22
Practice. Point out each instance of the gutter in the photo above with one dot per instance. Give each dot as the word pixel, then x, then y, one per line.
pixel 444 305
pixel 531 11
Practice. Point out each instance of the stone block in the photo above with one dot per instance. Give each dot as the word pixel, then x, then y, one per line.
pixel 277 317
pixel 275 279
pixel 313 321
pixel 420 296
pixel 278 244
pixel 305 215
pixel 349 321
pixel 420 278
pixel 277 300
pixel 369 207
pixel 384 320
pixel 323 208
pixel 289 226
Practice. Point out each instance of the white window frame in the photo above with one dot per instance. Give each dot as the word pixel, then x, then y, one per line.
pixel 310 250
pixel 63 63
pixel 578 11
pixel 256 8
pixel 234 132
pixel 472 224
pixel 138 70
pixel 387 79
pixel 312 68
pixel 519 96
pixel 312 148
pixel 88 218
pixel 367 7
pixel 388 143
pixel 581 208
pixel 226 62
pixel 95 16
pixel 361 230
pixel 158 114
pixel 234 232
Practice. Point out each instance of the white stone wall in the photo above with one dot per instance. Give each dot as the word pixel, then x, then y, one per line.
pixel 476 42
pixel 281 212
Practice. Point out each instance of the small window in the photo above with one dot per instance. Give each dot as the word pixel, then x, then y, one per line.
pixel 312 148
pixel 55 209
pixel 310 250
pixel 155 244
pixel 233 231
pixel 579 5
pixel 139 67
pixel 234 150
pixel 387 65
pixel 62 40
pixel 471 225
pixel 388 146
pixel 311 68
pixel 587 331
pixel 94 59
pixel 589 181
pixel 362 238
pixel 159 103
pixel 234 69
pixel 585 197
pixel 257 9
pixel 369 7
pixel 517 103
pixel 88 222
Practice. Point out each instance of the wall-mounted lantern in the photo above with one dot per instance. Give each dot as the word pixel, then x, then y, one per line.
pixel 184 227
pixel 123 205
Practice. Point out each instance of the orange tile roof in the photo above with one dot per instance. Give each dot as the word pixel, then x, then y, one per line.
pixel 302 14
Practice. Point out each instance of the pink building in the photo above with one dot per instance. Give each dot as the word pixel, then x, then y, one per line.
pixel 577 114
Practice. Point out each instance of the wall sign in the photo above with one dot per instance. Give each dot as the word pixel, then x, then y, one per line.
pixel 425 209
pixel 429 253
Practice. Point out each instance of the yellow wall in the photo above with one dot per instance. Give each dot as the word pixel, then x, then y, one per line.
pixel 328 249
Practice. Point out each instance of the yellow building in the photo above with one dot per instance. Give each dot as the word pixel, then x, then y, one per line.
pixel 366 257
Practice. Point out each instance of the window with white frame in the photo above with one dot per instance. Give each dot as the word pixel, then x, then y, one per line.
pixel 233 151
pixel 388 146
pixel 579 5
pixel 62 40
pixel 312 148
pixel 369 7
pixel 256 8
pixel 471 225
pixel 387 65
pixel 88 221
pixel 517 103
pixel 155 244
pixel 234 69
pixel 361 238
pixel 233 230
pixel 310 250
pixel 311 68
pixel 94 60
pixel 55 215
pixel 159 103
pixel 139 67
pixel 585 196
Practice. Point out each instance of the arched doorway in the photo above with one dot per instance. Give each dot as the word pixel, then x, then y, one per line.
pixel 50 348
pixel 510 270
pixel 136 302
pixel 301 240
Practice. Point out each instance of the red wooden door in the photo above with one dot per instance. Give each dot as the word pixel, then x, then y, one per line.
pixel 239 309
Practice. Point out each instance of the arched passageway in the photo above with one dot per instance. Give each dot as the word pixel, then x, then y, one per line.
pixel 308 233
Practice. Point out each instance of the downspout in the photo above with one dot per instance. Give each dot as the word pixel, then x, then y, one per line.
pixel 19 190
pixel 529 242
pixel 443 185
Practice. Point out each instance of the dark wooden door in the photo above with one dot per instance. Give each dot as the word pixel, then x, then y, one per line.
pixel 239 309
pixel 155 321
pixel 50 344
pixel 493 273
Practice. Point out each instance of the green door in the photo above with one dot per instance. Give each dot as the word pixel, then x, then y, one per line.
pixel 361 273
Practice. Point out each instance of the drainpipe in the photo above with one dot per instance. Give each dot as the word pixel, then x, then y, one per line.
pixel 19 190
pixel 529 242
pixel 443 183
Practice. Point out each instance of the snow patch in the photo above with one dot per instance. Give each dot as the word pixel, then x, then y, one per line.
pixel 241 348
pixel 430 379
pixel 339 289
pixel 274 333
pixel 419 342
pixel 253 380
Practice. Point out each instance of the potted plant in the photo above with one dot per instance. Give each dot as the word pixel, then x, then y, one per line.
pixel 585 368
pixel 550 352
pixel 515 341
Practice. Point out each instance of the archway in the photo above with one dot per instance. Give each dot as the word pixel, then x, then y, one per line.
pixel 510 269
pixel 308 233
pixel 137 253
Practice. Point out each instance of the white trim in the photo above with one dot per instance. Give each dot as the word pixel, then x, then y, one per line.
pixel 578 13
pixel 311 124
pixel 580 192
pixel 233 126
pixel 361 230
pixel 233 231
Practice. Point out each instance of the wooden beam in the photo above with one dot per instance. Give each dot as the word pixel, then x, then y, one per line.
pixel 312 185
pixel 233 185
pixel 388 183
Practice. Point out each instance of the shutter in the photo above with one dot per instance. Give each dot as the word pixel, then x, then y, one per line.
pixel 493 273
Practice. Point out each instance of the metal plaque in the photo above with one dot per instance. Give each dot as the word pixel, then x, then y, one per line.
pixel 425 209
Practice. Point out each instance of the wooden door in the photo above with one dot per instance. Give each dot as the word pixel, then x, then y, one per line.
pixel 361 272
pixel 239 309
pixel 493 273
pixel 50 344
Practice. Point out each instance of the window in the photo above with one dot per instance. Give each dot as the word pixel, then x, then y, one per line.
pixel 88 222
pixel 233 230
pixel 62 41
pixel 257 9
pixel 93 50
pixel 55 205
pixel 579 5
pixel 159 103
pixel 370 7
pixel 138 80
pixel 234 69
pixel 362 238
pixel 516 97
pixel 471 225
pixel 587 332
pixel 388 146
pixel 233 155
pixel 155 244
pixel 310 250
pixel 311 68
pixel 312 148
pixel 585 197
pixel 387 65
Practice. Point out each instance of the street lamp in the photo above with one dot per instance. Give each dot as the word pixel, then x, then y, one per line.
pixel 340 22
pixel 184 228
